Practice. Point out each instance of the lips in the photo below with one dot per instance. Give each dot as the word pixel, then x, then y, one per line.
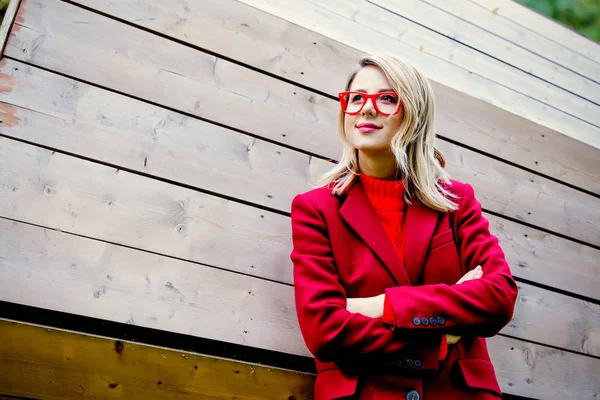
pixel 367 127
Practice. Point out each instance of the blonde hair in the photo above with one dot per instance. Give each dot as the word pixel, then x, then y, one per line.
pixel 419 162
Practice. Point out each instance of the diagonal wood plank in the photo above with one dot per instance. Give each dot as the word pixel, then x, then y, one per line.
pixel 550 29
pixel 341 28
pixel 518 35
pixel 274 45
pixel 465 35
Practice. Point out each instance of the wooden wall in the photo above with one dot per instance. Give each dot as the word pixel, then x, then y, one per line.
pixel 149 153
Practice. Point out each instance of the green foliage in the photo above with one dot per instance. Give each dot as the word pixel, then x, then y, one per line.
pixel 581 15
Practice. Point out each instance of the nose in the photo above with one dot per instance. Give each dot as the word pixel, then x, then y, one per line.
pixel 368 108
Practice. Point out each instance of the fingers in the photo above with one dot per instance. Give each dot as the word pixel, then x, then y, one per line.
pixel 475 273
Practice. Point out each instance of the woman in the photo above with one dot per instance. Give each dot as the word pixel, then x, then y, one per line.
pixel 397 277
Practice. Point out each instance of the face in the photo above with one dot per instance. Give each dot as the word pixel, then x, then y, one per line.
pixel 369 131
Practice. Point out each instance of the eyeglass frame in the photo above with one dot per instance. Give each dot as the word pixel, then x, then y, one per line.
pixel 367 96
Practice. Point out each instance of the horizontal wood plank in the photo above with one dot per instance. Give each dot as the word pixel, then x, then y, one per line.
pixel 125 285
pixel 523 368
pixel 80 128
pixel 341 28
pixel 494 23
pixel 178 77
pixel 274 45
pixel 55 364
pixel 502 188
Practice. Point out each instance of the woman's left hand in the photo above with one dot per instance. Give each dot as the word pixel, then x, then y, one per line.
pixel 367 306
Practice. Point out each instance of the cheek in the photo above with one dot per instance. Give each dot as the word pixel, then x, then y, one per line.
pixel 349 122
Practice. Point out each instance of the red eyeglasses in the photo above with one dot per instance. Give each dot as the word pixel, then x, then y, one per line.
pixel 386 103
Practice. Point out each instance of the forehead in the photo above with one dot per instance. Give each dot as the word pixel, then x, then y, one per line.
pixel 371 79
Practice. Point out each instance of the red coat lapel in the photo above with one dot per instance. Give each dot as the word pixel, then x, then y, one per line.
pixel 358 212
pixel 420 224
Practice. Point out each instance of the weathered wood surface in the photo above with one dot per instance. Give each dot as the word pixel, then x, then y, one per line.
pixel 501 187
pixel 539 372
pixel 338 25
pixel 471 45
pixel 56 364
pixel 124 285
pixel 561 35
pixel 126 133
pixel 110 274
pixel 494 24
pixel 276 46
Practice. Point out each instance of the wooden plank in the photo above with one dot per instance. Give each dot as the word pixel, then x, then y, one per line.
pixel 82 197
pixel 401 30
pixel 134 135
pixel 496 24
pixel 493 49
pixel 502 188
pixel 7 21
pixel 47 269
pixel 341 28
pixel 178 76
pixel 539 372
pixel 56 364
pixel 548 260
pixel 274 45
pixel 123 132
pixel 523 368
pixel 546 372
pixel 542 25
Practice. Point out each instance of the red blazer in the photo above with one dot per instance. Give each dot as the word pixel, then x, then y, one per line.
pixel 341 250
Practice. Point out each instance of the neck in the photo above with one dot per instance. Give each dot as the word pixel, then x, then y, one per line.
pixel 381 166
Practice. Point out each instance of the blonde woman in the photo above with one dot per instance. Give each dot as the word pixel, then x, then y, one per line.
pixel 397 278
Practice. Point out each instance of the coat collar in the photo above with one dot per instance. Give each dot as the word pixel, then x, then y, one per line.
pixel 421 221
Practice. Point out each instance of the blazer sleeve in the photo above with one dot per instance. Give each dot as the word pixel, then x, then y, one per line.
pixel 480 307
pixel 329 330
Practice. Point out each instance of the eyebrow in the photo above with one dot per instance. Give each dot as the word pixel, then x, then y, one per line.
pixel 380 91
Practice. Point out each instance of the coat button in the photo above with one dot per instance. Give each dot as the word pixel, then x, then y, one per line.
pixel 441 320
pixel 418 363
pixel 425 321
pixel 409 362
pixel 433 321
pixel 413 395
pixel 416 321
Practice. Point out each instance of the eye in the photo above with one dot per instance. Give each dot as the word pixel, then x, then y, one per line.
pixel 389 98
pixel 356 98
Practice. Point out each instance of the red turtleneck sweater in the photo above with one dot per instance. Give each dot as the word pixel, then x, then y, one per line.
pixel 387 198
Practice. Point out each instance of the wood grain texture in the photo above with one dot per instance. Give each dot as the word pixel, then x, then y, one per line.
pixel 502 188
pixel 75 359
pixel 73 195
pixel 467 39
pixel 127 133
pixel 274 45
pixel 539 372
pixel 48 269
pixel 495 24
pixel 543 26
pixel 341 28
pixel 178 76
pixel 118 130
pixel 56 364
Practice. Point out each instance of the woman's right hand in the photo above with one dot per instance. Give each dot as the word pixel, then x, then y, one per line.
pixel 475 273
